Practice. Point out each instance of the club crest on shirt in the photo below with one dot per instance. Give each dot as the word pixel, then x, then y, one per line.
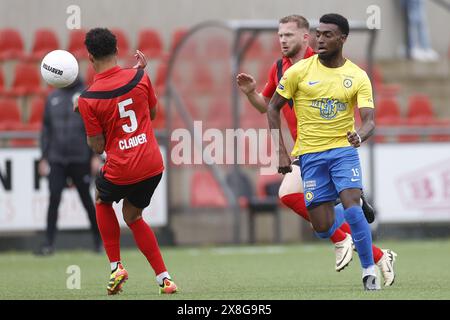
pixel 347 83
pixel 309 195
pixel 328 107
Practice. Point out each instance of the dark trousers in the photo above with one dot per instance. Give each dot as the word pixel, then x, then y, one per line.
pixel 80 174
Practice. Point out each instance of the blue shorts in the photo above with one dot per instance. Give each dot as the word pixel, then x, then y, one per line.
pixel 325 174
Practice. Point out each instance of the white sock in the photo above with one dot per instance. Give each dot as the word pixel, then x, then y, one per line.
pixel 160 277
pixel 114 265
pixel 369 271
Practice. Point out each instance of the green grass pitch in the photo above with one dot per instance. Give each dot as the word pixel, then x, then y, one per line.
pixel 303 271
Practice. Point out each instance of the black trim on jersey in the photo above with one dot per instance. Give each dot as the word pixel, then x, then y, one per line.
pixel 116 92
pixel 279 75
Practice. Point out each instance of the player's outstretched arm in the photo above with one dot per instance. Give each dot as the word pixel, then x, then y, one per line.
pixel 273 116
pixel 247 84
pixel 366 130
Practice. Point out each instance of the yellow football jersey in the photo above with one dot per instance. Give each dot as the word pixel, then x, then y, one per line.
pixel 324 102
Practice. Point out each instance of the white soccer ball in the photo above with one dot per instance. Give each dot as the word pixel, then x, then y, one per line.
pixel 59 68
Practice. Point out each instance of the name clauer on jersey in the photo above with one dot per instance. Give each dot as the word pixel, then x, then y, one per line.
pixel 329 107
pixel 133 141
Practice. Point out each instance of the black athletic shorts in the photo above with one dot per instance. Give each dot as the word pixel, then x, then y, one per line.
pixel 139 194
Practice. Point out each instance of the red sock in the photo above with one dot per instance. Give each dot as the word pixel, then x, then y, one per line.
pixel 109 230
pixel 147 243
pixel 338 236
pixel 345 227
pixel 296 202
pixel 377 253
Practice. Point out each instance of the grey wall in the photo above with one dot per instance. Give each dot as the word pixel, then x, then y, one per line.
pixel 27 15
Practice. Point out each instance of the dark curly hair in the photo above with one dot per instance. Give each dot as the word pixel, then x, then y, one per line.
pixel 337 19
pixel 101 43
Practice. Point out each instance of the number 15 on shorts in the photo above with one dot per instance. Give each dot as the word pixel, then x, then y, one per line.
pixel 356 176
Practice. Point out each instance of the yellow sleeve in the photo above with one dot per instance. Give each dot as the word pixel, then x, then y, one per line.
pixel 364 94
pixel 288 84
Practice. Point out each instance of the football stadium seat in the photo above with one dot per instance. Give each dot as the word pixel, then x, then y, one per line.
pixel 381 88
pixel 10 118
pixel 27 80
pixel 36 114
pixel 150 43
pixel 202 80
pixel 123 45
pixel 160 79
pixel 190 49
pixel 387 113
pixel 268 203
pixel 76 44
pixel 219 113
pixel 256 48
pixel 2 82
pixel 250 117
pixel 45 40
pixel 177 35
pixel 11 44
pixel 205 191
pixel 419 108
pixel 420 112
pixel 218 47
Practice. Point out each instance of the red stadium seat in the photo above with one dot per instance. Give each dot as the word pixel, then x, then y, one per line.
pixel 2 83
pixel 256 50
pixel 420 113
pixel 150 43
pixel 218 47
pixel 177 35
pixel 419 108
pixel 11 44
pixel 205 191
pixel 378 82
pixel 219 114
pixel 123 45
pixel 251 117
pixel 10 118
pixel 190 49
pixel 160 79
pixel 76 44
pixel 387 113
pixel 36 114
pixel 27 80
pixel 202 79
pixel 45 40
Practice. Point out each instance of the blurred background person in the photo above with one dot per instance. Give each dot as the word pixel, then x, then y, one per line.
pixel 66 159
pixel 418 39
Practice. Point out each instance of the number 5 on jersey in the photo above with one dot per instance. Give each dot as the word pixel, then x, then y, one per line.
pixel 128 114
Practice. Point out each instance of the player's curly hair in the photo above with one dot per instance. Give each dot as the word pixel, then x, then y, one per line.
pixel 337 19
pixel 101 43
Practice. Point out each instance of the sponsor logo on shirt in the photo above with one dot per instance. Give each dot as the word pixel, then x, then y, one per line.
pixel 329 107
pixel 310 184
